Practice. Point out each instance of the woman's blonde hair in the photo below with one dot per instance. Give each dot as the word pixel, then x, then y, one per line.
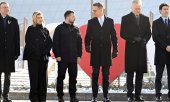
pixel 34 18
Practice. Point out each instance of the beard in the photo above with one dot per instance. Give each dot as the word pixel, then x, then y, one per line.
pixel 71 21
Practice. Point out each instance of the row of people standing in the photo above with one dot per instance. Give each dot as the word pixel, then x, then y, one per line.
pixel 67 47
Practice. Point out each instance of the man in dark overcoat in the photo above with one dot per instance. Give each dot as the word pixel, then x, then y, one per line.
pixel 9 47
pixel 161 37
pixel 100 37
pixel 135 30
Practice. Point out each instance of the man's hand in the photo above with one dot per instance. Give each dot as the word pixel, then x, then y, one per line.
pixel 88 49
pixel 138 39
pixel 144 42
pixel 58 58
pixel 114 54
pixel 78 60
pixel 168 48
pixel 16 57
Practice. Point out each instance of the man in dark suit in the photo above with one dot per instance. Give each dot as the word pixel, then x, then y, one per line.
pixel 99 36
pixel 67 48
pixel 161 37
pixel 9 47
pixel 135 30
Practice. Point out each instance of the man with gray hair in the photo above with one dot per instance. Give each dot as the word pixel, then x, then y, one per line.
pixel 9 47
pixel 135 30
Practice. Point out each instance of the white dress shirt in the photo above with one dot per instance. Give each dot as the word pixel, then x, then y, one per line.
pixel 101 20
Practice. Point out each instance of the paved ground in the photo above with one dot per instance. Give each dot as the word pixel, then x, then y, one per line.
pixel 68 101
pixel 46 101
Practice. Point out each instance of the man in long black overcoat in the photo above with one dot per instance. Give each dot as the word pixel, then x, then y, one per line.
pixel 100 37
pixel 9 47
pixel 135 30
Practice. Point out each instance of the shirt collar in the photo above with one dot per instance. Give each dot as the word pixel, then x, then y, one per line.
pixel 102 17
pixel 164 18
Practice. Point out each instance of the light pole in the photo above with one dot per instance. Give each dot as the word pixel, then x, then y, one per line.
pixel 91 2
pixel 106 7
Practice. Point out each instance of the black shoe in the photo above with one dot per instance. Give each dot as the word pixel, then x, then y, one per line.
pixel 74 99
pixel 60 100
pixel 130 99
pixel 6 100
pixel 94 99
pixel 35 101
pixel 158 98
pixel 106 100
pixel 139 99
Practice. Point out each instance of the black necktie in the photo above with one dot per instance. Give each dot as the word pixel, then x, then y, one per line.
pixel 166 22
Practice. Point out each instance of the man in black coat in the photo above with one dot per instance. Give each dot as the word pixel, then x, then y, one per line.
pixel 135 30
pixel 67 48
pixel 9 47
pixel 99 37
pixel 161 37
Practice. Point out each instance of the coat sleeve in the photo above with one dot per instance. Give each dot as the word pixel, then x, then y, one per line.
pixel 88 36
pixel 148 31
pixel 79 44
pixel 114 38
pixel 17 40
pixel 124 31
pixel 56 42
pixel 156 37
pixel 49 44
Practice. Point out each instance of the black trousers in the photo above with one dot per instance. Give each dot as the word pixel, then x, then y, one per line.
pixel 72 71
pixel 138 84
pixel 38 80
pixel 95 75
pixel 158 79
pixel 6 84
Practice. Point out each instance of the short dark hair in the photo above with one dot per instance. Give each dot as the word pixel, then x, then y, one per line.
pixel 3 2
pixel 67 13
pixel 98 4
pixel 162 5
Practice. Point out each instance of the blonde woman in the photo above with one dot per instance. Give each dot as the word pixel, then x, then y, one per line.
pixel 37 51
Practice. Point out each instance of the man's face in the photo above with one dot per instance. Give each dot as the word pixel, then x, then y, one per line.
pixel 39 19
pixel 4 9
pixel 136 9
pixel 97 12
pixel 165 11
pixel 71 18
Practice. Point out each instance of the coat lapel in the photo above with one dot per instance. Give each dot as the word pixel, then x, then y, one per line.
pixel 133 19
pixel 162 22
pixel 105 21
pixel 98 23
pixel 1 23
pixel 168 23
pixel 8 23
